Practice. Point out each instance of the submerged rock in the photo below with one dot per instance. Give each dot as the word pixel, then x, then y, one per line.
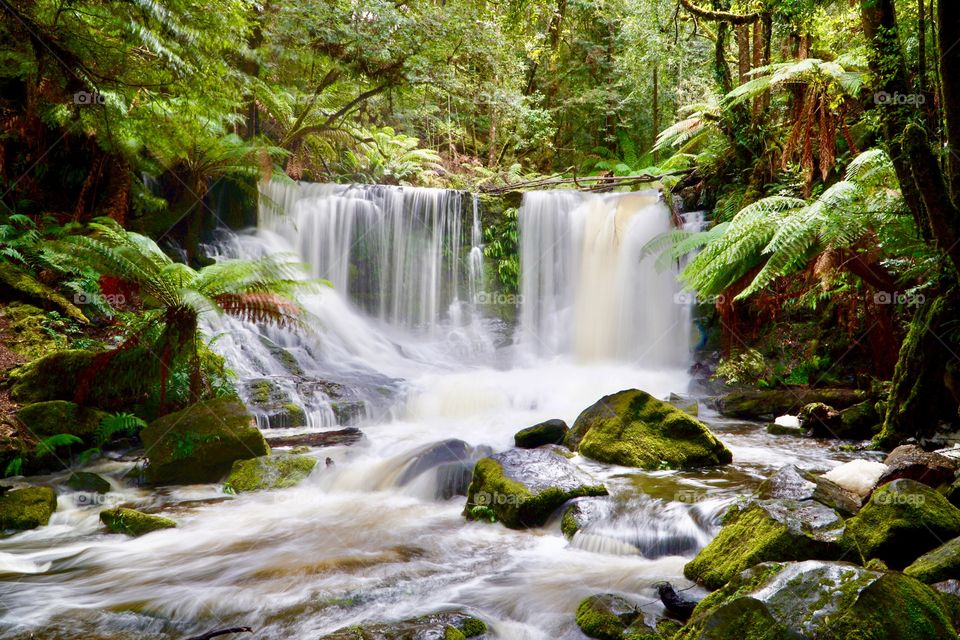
pixel 765 404
pixel 273 471
pixel 132 522
pixel 910 461
pixel 902 521
pixel 634 429
pixel 450 625
pixel 943 563
pixel 453 461
pixel 764 531
pixel 791 483
pixel 201 443
pixel 27 508
pixel 608 617
pixel 522 487
pixel 548 432
pixel 86 481
pixel 819 600
pixel 580 512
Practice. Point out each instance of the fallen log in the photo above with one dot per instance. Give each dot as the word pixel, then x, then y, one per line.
pixel 584 183
pixel 337 438
pixel 222 632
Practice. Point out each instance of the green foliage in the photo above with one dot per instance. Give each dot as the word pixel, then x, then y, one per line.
pixel 116 423
pixel 43 448
pixel 742 367
pixel 501 246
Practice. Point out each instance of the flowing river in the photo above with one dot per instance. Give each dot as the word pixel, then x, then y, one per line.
pixel 414 346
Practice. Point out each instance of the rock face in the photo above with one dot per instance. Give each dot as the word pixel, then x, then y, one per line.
pixel 766 404
pixel 549 432
pixel 819 600
pixel 274 471
pixel 132 522
pixel 910 461
pixel 201 442
pixel 522 487
pixel 27 508
pixel 902 521
pixel 764 531
pixel 943 563
pixel 610 617
pixel 452 460
pixel 791 483
pixel 54 417
pixel 634 429
pixel 450 625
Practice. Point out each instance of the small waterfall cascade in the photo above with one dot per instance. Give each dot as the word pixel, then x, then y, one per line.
pixel 587 290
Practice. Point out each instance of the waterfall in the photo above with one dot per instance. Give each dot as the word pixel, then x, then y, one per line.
pixel 586 291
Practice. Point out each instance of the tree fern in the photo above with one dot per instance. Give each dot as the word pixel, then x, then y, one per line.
pixel 116 423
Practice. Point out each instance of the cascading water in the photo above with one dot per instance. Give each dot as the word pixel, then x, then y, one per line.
pixel 376 532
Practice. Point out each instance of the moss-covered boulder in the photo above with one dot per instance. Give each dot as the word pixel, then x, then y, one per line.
pixel 902 521
pixel 609 617
pixel 132 522
pixel 634 429
pixel 791 483
pixel 274 471
pixel 522 487
pixel 447 625
pixel 55 417
pixel 943 563
pixel 89 482
pixel 27 508
pixel 19 284
pixel 201 443
pixel 765 531
pixel 26 333
pixel 819 600
pixel 767 404
pixel 548 432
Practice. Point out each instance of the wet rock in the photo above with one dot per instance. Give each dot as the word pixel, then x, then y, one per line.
pixel 819 600
pixel 56 417
pixel 580 512
pixel 86 481
pixel 862 420
pixel 791 483
pixel 857 476
pixel 201 443
pixel 901 521
pixel 912 462
pixel 522 487
pixel 27 508
pixel 607 617
pixel 764 531
pixel 274 471
pixel 338 438
pixel 685 403
pixel 273 404
pixel 286 359
pixel 450 625
pixel 943 563
pixel 765 404
pixel 548 432
pixel 676 604
pixel 453 461
pixel 782 429
pixel 634 429
pixel 132 522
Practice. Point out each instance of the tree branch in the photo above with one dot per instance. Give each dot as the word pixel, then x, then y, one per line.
pixel 721 16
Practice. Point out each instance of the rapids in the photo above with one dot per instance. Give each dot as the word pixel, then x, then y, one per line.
pixel 407 339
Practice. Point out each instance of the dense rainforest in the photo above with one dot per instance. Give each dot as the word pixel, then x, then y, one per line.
pixel 239 239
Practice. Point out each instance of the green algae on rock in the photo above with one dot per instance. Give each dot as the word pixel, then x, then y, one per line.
pixel 132 522
pixel 27 508
pixel 447 625
pixel 943 563
pixel 273 471
pixel 547 432
pixel 607 617
pixel 55 417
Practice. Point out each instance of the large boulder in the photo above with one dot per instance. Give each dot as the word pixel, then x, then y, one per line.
pixel 633 429
pixel 88 482
pixel 901 521
pixel 547 432
pixel 766 404
pixel 820 601
pixel 27 508
pixel 448 625
pixel 522 487
pixel 55 417
pixel 765 531
pixel 943 563
pixel 132 522
pixel 611 617
pixel 910 461
pixel 791 483
pixel 201 443
pixel 274 471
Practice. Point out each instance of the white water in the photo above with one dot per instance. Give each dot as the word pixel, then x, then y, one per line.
pixel 403 331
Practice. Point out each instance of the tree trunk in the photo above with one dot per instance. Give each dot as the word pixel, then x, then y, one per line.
pixel 743 51
pixel 656 110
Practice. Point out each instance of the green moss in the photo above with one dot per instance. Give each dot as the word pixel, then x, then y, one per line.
pixel 943 563
pixel 473 627
pixel 26 335
pixel 296 415
pixel 632 428
pixel 902 520
pixel 261 392
pixel 132 522
pixel 275 471
pixel 605 616
pixel 54 417
pixel 919 612
pixel 452 633
pixel 25 285
pixel 201 443
pixel 27 508
pixel 668 628
pixel 568 523
pixel 549 432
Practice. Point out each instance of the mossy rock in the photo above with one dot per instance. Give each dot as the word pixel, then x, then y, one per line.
pixel 274 471
pixel 27 508
pixel 89 482
pixel 633 429
pixel 22 285
pixel 200 443
pixel 775 429
pixel 55 417
pixel 792 483
pixel 607 616
pixel 264 393
pixel 522 487
pixel 767 404
pixel 286 359
pixel 765 531
pixel 943 563
pixel 581 512
pixel 819 600
pixel 132 522
pixel 685 403
pixel 860 421
pixel 26 334
pixel 548 432
pixel 902 521
pixel 448 625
